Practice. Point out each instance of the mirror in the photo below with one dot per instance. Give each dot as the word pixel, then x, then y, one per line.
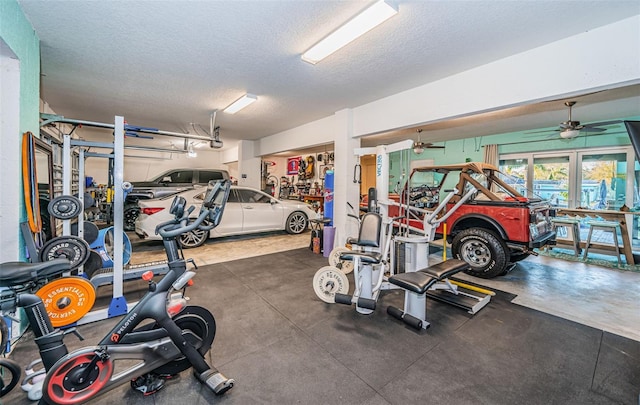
pixel 44 174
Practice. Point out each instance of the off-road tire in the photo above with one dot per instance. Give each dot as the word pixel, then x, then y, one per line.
pixel 483 250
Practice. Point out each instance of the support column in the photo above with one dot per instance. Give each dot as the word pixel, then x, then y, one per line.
pixel 345 190
pixel 248 165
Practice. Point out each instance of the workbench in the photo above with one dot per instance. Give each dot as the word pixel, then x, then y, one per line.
pixel 615 216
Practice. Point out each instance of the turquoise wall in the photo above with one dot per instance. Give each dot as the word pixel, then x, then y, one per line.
pixel 18 34
pixel 513 142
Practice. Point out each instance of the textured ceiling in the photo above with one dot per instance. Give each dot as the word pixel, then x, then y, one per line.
pixel 166 64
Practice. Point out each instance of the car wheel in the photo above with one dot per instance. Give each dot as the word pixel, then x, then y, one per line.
pixel 296 223
pixel 193 239
pixel 131 213
pixel 484 251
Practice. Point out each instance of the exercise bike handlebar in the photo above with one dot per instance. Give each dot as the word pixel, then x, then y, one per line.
pixel 167 230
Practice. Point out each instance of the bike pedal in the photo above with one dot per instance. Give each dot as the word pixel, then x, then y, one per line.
pixel 148 384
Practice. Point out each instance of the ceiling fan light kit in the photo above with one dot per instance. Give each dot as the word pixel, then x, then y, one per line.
pixel 571 129
pixel 569 133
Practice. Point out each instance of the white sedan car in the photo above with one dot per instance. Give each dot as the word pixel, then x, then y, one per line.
pixel 247 211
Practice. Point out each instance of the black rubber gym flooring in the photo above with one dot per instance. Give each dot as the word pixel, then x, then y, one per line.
pixel 283 345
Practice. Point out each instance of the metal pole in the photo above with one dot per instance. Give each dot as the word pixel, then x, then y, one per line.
pixel 66 178
pixel 118 205
pixel 49 118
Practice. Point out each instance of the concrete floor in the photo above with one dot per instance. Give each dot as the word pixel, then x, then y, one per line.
pixel 600 297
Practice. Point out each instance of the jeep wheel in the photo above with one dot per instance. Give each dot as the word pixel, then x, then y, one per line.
pixel 483 250
pixel 193 239
pixel 296 223
pixel 130 214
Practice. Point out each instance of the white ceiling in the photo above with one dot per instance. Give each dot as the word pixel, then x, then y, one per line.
pixel 166 64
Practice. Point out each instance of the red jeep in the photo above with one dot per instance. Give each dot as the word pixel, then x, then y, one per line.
pixel 493 228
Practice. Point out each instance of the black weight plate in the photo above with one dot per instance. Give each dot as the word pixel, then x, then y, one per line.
pixel 74 249
pixel 94 263
pixel 65 207
pixel 90 231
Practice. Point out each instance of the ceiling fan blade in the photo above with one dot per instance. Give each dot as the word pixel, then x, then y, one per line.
pixel 602 124
pixel 543 131
pixel 592 129
pixel 434 147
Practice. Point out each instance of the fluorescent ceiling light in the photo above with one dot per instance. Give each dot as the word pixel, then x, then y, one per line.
pixel 240 103
pixel 357 26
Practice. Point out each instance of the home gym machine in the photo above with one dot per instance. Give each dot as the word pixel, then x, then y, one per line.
pixel 372 249
pixel 117 274
pixel 373 258
pixel 178 339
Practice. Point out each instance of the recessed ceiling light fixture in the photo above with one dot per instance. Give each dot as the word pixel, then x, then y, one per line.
pixel 240 103
pixel 357 26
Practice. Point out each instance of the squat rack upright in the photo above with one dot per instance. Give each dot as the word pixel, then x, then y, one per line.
pixel 118 305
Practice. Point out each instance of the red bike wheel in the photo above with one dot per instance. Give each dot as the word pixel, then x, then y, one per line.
pixel 66 385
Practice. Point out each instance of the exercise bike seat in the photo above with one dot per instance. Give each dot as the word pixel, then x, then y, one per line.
pixel 12 273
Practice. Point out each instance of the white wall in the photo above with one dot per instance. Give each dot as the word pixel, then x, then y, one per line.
pixel 606 57
pixel 140 169
pixel 314 133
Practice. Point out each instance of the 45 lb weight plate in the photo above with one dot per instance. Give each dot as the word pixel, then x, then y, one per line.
pixel 328 281
pixel 73 248
pixel 334 260
pixel 65 207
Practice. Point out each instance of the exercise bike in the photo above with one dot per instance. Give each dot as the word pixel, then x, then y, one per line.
pixel 177 338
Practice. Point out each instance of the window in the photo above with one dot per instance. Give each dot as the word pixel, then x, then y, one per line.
pixel 207 175
pixel 596 179
pixel 250 196
pixel 233 197
pixel 181 176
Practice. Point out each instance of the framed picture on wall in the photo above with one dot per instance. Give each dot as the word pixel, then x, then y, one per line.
pixel 293 165
pixel 322 170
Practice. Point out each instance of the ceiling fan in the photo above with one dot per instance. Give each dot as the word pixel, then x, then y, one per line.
pixel 570 129
pixel 419 146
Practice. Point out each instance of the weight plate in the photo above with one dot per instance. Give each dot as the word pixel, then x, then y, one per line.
pixel 65 207
pixel 94 263
pixel 67 299
pixel 328 281
pixel 346 266
pixel 90 233
pixel 74 249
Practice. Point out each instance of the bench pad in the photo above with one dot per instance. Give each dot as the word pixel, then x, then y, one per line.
pixel 446 268
pixel 365 257
pixel 415 281
pixel 420 281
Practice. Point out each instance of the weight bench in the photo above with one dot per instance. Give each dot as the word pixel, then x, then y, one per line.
pixel 416 284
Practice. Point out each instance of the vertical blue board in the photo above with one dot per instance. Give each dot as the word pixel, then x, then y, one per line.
pixel 328 196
